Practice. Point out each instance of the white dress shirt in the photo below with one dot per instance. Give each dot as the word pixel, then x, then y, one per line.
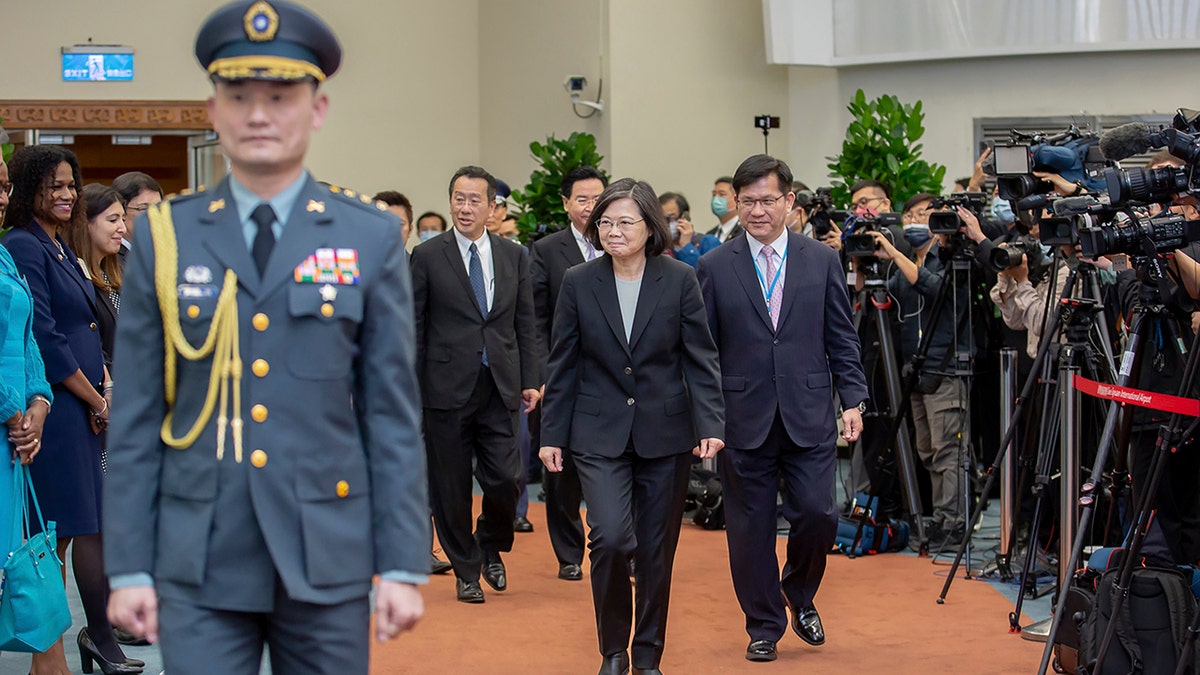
pixel 484 246
pixel 780 246
pixel 724 229
pixel 584 245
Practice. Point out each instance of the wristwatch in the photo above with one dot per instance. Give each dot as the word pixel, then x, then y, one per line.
pixel 862 407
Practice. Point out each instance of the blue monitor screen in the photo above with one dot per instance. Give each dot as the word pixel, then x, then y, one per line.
pixel 97 67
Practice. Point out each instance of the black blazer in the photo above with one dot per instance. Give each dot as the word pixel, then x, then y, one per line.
pixel 662 387
pixel 451 331
pixel 792 368
pixel 106 320
pixel 550 258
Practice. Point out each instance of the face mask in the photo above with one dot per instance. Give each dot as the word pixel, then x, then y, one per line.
pixel 674 225
pixel 1002 211
pixel 865 212
pixel 426 235
pixel 917 234
pixel 720 206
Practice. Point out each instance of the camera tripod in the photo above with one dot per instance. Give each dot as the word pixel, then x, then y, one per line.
pixel 876 303
pixel 1053 326
pixel 1150 314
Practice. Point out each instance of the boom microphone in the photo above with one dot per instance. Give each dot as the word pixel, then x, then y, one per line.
pixel 1072 205
pixel 1032 203
pixel 1128 140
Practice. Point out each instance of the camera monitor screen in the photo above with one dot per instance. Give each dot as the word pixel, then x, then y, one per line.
pixel 1012 159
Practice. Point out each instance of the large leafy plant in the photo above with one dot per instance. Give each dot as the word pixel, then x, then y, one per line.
pixel 541 200
pixel 881 144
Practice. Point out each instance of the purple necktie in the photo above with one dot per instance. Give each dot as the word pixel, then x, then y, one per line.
pixel 776 300
pixel 591 250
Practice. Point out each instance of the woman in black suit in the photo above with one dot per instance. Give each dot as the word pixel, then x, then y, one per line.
pixel 98 246
pixel 633 391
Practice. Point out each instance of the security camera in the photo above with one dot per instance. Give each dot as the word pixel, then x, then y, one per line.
pixel 575 84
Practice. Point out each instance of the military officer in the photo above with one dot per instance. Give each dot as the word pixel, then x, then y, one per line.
pixel 268 460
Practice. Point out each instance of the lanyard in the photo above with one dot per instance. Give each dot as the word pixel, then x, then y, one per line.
pixel 769 291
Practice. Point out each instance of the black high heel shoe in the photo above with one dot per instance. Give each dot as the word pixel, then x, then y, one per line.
pixel 89 655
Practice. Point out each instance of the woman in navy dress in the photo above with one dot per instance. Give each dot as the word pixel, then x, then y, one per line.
pixel 67 474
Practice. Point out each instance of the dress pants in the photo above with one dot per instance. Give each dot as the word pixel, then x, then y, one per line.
pixel 483 430
pixel 635 510
pixel 750 479
pixel 303 637
pixel 563 499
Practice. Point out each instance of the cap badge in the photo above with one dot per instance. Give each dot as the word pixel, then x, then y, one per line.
pixel 261 22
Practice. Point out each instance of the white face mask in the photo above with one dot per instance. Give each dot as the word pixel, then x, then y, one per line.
pixel 426 235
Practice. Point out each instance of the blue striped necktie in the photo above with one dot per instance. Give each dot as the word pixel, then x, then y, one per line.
pixel 475 272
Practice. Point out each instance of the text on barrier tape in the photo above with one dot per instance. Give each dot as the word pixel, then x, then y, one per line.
pixel 1144 399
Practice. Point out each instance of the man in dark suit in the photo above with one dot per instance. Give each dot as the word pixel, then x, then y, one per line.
pixel 480 357
pixel 724 207
pixel 310 287
pixel 551 256
pixel 779 312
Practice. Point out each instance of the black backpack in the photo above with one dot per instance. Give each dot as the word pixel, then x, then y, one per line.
pixel 1151 625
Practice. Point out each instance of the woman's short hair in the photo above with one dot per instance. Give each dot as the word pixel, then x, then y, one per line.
pixel 647 203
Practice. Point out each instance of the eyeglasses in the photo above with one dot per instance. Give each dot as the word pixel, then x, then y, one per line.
pixel 474 201
pixel 604 224
pixel 586 201
pixel 766 203
pixel 137 208
pixel 866 201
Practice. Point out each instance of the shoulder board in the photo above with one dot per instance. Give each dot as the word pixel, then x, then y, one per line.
pixel 361 200
pixel 184 195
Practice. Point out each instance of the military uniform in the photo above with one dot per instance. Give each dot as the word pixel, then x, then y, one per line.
pixel 262 497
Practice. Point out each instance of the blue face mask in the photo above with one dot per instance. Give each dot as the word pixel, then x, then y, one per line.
pixel 1002 211
pixel 426 235
pixel 917 235
pixel 720 206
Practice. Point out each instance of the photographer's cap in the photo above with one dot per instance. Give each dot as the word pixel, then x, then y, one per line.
pixel 502 192
pixel 261 40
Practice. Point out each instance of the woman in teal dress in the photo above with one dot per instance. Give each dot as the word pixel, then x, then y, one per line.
pixel 25 395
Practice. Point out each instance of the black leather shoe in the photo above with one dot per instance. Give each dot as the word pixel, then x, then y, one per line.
pixel 761 650
pixel 521 524
pixel 647 671
pixel 468 591
pixel 126 638
pixel 617 664
pixel 570 572
pixel 494 573
pixel 807 624
pixel 437 565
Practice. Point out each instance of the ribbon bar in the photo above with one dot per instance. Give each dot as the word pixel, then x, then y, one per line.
pixel 1142 399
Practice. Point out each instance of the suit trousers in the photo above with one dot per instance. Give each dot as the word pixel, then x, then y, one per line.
pixel 635 510
pixel 484 430
pixel 303 637
pixel 943 433
pixel 750 480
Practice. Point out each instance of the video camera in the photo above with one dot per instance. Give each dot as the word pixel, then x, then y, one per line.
pixel 1072 154
pixel 1009 256
pixel 948 222
pixel 1157 185
pixel 860 243
pixel 821 214
pixel 1157 234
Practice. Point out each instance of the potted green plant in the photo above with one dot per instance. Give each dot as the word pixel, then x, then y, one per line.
pixel 540 201
pixel 881 144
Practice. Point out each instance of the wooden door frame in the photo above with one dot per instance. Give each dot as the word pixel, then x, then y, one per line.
pixel 105 115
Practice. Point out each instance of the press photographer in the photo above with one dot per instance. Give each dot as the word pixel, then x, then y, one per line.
pixel 939 403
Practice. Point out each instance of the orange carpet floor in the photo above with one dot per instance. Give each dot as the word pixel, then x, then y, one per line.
pixel 879 613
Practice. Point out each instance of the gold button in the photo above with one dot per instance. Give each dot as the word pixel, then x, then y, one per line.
pixel 92 325
pixel 258 458
pixel 343 489
pixel 327 310
pixel 629 401
pixel 259 413
pixel 193 311
pixel 260 367
pixel 261 322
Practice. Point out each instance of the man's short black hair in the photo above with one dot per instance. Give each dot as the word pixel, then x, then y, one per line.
pixel 724 179
pixel 134 183
pixel 679 200
pixel 868 183
pixel 582 172
pixel 432 214
pixel 756 167
pixel 911 202
pixel 475 172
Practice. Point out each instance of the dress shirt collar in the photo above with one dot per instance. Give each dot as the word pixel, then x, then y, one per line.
pixel 780 244
pixel 483 244
pixel 282 203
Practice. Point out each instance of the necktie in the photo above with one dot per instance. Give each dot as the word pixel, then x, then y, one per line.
pixel 767 254
pixel 264 240
pixel 475 272
pixel 591 250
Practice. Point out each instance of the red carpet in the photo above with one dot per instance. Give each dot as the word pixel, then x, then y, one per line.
pixel 879 613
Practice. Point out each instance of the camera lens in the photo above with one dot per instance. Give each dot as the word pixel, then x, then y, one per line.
pixel 1145 185
pixel 1005 257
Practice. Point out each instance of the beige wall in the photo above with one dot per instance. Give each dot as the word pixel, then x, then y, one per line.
pixel 954 93
pixel 688 78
